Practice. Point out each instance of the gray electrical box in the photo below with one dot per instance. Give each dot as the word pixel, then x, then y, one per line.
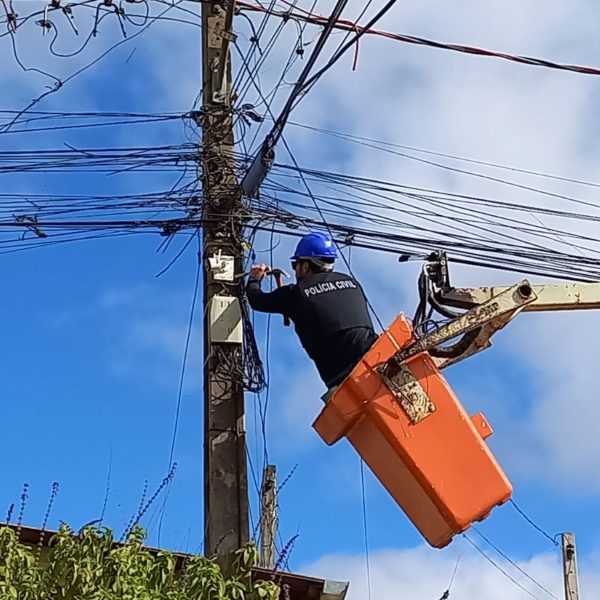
pixel 225 320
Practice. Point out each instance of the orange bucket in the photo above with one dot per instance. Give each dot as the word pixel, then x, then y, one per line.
pixel 418 440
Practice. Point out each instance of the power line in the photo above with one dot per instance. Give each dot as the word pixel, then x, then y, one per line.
pixel 60 83
pixel 359 32
pixel 301 82
pixel 498 567
pixel 388 146
pixel 533 524
pixel 180 392
pixel 349 26
pixel 365 526
pixel 514 564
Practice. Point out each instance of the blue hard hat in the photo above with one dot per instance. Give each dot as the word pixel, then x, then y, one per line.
pixel 316 245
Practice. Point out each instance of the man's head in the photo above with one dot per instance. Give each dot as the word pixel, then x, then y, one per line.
pixel 315 253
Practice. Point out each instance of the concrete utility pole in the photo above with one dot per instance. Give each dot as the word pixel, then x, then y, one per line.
pixel 570 567
pixel 225 474
pixel 268 518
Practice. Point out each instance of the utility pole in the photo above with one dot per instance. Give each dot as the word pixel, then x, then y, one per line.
pixel 570 567
pixel 268 518
pixel 225 472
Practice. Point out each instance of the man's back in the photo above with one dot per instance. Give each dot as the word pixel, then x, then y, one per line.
pixel 331 318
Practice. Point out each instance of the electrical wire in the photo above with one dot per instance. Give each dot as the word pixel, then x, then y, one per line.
pixel 60 83
pixel 386 146
pixel 465 49
pixel 533 524
pixel 300 85
pixel 365 527
pixel 180 392
pixel 498 567
pixel 348 45
pixel 514 564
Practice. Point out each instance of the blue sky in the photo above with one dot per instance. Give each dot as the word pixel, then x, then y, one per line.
pixel 94 340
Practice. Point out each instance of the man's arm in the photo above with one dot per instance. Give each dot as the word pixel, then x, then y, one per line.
pixel 278 301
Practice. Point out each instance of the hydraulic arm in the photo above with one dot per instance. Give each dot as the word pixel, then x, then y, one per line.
pixel 486 310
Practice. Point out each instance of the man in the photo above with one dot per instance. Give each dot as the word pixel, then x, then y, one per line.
pixel 329 310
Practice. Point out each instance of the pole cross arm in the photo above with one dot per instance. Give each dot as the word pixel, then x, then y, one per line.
pixel 565 296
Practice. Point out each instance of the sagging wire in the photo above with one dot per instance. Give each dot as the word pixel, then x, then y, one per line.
pixel 446 593
pixel 181 384
pixel 533 524
pixel 145 17
pixel 350 26
pixel 514 564
pixel 499 568
pixel 254 379
pixel 57 81
pixel 60 83
pixel 365 526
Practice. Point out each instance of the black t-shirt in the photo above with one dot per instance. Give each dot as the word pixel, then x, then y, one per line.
pixel 331 318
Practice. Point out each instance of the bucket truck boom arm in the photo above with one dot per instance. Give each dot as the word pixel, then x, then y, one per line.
pixel 487 310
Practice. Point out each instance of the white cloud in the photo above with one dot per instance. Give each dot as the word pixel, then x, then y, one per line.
pixel 425 573
pixel 561 351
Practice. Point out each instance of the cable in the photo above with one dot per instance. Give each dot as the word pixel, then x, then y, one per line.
pixel 296 52
pixel 277 129
pixel 375 214
pixel 61 83
pixel 373 143
pixel 180 392
pixel 515 565
pixel 349 26
pixel 536 527
pixel 256 41
pixel 341 51
pixel 365 528
pixel 446 593
pixel 451 219
pixel 498 567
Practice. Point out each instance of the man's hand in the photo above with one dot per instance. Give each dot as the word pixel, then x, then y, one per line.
pixel 258 271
